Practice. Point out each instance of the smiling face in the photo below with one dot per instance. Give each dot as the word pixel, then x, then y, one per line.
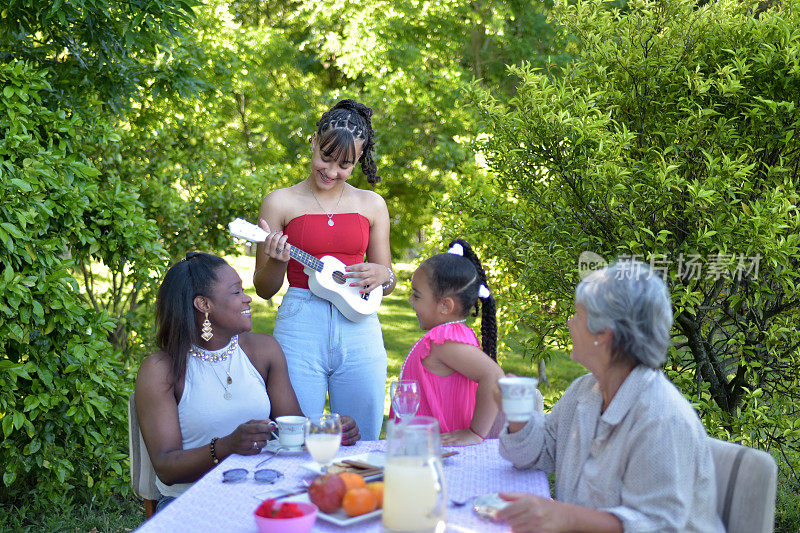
pixel 333 162
pixel 425 305
pixel 229 306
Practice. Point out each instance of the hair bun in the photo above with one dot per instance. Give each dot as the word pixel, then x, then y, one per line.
pixel 353 105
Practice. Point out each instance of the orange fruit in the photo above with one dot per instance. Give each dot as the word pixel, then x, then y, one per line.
pixel 352 480
pixel 377 488
pixel 358 501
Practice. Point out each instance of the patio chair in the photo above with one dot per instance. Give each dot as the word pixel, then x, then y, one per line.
pixel 500 420
pixel 746 486
pixel 143 476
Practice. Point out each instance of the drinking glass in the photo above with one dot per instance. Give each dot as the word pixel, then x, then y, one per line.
pixel 405 398
pixel 323 437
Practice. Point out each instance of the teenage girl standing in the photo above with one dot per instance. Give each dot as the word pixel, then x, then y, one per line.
pixel 324 215
pixel 456 377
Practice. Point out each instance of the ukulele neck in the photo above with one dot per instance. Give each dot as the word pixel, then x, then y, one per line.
pixel 305 258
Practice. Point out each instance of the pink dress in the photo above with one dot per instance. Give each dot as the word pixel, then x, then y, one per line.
pixel 449 399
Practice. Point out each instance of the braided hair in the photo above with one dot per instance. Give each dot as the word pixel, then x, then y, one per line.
pixel 338 129
pixel 176 327
pixel 450 274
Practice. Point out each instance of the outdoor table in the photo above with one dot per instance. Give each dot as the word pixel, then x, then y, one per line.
pixel 211 505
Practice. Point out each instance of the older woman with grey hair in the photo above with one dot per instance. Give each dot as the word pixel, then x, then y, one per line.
pixel 628 451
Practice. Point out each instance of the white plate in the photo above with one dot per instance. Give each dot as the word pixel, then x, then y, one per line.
pixel 273 445
pixel 486 506
pixel 374 458
pixel 339 518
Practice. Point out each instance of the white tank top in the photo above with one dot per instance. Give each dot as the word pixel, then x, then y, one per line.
pixel 204 413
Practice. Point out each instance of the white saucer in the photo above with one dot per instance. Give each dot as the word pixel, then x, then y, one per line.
pixel 486 506
pixel 274 446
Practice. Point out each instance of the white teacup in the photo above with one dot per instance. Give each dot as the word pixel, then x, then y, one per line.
pixel 519 397
pixel 291 432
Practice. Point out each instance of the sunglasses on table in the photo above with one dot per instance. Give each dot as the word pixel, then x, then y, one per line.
pixel 264 476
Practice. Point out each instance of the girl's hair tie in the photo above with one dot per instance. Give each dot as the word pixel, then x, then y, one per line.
pixel 456 249
pixel 483 291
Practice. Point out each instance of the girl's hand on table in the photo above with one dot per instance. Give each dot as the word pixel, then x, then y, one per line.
pixel 462 437
pixel 527 512
pixel 350 433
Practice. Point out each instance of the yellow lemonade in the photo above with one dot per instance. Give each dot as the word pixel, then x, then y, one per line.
pixel 411 493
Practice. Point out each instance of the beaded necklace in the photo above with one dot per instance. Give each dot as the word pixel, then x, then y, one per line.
pixel 215 356
pixel 403 366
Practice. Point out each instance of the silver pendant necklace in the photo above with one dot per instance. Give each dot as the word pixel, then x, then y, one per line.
pixel 330 217
pixel 217 356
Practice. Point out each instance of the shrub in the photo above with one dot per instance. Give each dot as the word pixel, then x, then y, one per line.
pixel 63 388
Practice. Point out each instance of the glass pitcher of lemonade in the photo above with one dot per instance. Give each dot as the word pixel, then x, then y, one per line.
pixel 415 497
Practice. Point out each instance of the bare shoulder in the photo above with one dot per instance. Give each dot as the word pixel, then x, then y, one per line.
pixel 282 205
pixel 260 348
pixel 155 373
pixel 370 204
pixel 156 365
pixel 278 198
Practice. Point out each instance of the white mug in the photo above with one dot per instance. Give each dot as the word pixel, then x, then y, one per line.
pixel 519 397
pixel 291 431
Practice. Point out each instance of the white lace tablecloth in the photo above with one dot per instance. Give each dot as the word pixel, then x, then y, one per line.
pixel 213 506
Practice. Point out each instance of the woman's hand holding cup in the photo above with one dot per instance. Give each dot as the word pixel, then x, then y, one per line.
pixel 516 398
pixel 249 438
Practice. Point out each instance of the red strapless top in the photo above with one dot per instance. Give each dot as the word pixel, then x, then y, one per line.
pixel 346 240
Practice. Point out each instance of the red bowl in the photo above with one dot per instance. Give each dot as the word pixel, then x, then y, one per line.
pixel 298 524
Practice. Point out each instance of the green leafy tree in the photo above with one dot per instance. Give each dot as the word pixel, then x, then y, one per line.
pixel 673 138
pixel 78 253
pixel 62 388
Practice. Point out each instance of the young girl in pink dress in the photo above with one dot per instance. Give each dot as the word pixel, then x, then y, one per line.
pixel 455 376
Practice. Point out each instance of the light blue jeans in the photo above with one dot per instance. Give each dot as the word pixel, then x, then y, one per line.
pixel 328 353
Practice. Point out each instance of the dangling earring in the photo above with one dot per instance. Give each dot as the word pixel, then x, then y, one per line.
pixel 207 333
pixel 595 342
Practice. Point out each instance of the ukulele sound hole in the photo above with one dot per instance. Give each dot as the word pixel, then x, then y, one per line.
pixel 338 277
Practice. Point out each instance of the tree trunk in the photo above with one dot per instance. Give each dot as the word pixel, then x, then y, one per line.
pixel 543 373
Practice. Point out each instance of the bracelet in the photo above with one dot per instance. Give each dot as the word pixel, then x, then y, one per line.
pixel 213 451
pixel 478 434
pixel 391 279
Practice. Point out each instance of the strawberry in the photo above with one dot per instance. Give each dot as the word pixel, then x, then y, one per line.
pixel 266 509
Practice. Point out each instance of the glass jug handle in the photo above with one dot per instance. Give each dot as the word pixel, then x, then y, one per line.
pixel 441 500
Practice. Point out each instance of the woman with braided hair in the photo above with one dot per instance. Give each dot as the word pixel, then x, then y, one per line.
pixel 323 215
pixel 456 378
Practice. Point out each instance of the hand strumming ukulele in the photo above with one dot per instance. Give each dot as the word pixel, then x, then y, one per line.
pixel 325 276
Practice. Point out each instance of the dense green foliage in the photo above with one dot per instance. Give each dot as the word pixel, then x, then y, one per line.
pixel 77 251
pixel 674 138
pixel 59 378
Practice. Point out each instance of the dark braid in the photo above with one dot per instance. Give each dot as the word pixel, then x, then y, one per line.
pixel 340 126
pixel 451 274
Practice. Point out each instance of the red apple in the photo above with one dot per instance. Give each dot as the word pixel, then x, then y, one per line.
pixel 326 492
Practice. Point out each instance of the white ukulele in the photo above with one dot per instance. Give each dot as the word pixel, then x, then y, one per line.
pixel 325 276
